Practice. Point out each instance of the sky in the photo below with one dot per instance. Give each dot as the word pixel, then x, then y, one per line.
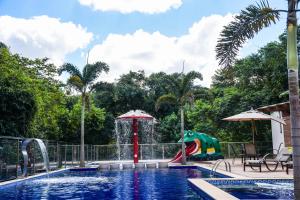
pixel 149 35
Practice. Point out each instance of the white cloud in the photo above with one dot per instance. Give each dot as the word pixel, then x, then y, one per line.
pixel 43 36
pixel 129 6
pixel 154 52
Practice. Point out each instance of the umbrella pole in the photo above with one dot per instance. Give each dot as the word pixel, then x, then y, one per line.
pixel 253 130
pixel 135 141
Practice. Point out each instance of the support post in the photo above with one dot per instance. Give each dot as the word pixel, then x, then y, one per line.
pixel 135 141
pixel 58 155
pixel 228 147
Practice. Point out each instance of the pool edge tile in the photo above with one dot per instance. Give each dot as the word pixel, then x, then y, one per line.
pixel 5 183
pixel 211 190
pixel 232 175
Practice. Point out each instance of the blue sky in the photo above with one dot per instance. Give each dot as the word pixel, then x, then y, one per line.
pixel 139 37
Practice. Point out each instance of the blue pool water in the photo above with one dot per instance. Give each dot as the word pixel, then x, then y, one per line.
pixel 257 189
pixel 126 184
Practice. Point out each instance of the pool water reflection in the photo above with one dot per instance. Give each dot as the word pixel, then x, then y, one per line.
pixel 125 184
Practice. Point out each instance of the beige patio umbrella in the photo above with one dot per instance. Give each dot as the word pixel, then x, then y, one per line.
pixel 253 115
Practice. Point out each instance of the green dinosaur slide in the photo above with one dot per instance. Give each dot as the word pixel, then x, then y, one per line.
pixel 199 146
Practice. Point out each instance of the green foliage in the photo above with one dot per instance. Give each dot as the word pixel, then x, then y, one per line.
pixel 182 89
pixel 130 93
pixel 71 69
pixel 157 84
pixel 169 128
pixel 245 25
pixel 17 100
pixel 82 81
pixel 31 100
pixel 94 123
pixel 92 71
pixel 254 81
pixel 2 45
pixel 51 108
pixel 167 99
pixel 33 104
pixel 201 117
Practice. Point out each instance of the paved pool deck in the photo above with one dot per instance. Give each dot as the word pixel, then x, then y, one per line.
pixel 238 172
pixel 236 168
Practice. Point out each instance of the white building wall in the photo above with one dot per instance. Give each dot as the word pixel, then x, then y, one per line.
pixel 277 131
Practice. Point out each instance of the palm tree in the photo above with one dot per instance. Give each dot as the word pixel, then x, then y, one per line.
pixel 84 83
pixel 245 25
pixel 182 92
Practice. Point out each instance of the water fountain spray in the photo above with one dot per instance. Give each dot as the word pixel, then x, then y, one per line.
pixel 134 117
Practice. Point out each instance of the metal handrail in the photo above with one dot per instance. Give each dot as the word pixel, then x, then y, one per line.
pixel 217 164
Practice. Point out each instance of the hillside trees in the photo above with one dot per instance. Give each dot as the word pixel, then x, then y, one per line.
pixel 83 82
pixel 33 104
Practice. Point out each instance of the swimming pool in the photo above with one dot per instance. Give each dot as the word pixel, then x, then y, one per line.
pixel 257 188
pixel 169 183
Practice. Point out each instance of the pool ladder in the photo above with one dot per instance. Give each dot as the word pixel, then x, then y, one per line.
pixel 217 164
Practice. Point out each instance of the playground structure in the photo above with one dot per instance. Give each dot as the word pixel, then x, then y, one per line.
pixel 199 146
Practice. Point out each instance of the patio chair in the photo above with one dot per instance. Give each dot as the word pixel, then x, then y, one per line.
pixel 288 165
pixel 281 158
pixel 249 151
pixel 279 147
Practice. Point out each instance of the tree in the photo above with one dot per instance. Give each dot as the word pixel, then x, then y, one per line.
pixel 183 88
pixel 169 128
pixel 30 99
pixel 130 92
pixel 84 83
pixel 245 25
pixel 157 84
pixel 94 122
pixel 18 104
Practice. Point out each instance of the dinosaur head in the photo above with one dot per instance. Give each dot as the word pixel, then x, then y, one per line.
pixel 190 136
pixel 192 140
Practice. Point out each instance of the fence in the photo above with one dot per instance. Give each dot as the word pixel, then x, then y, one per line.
pixel 234 149
pixel 64 155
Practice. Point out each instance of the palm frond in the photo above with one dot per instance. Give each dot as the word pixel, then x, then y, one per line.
pixel 174 81
pixel 187 82
pixel 2 45
pixel 167 98
pixel 92 71
pixel 189 98
pixel 72 69
pixel 249 22
pixel 102 86
pixel 76 83
pixel 284 94
pixel 192 75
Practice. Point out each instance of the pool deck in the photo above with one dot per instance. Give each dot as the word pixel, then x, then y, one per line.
pixel 237 170
pixel 236 173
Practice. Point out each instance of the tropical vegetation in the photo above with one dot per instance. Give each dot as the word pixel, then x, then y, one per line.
pixel 182 92
pixel 51 112
pixel 245 25
pixel 84 83
pixel 34 103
